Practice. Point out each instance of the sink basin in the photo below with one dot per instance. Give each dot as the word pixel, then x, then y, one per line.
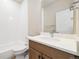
pixel 71 40
pixel 66 36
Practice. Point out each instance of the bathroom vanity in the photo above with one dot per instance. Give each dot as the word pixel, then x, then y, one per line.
pixel 60 16
pixel 42 48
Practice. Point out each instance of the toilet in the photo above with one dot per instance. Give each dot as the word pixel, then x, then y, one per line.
pixel 20 49
pixel 20 52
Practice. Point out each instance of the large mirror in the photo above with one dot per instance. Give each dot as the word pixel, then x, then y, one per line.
pixel 57 16
pixel 64 21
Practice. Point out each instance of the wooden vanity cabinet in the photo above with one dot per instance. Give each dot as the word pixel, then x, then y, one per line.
pixel 36 55
pixel 40 51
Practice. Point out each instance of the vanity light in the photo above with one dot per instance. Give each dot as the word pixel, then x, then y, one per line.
pixel 76 1
pixel 75 4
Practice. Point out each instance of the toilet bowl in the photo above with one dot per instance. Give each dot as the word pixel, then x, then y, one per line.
pixel 20 50
pixel 19 47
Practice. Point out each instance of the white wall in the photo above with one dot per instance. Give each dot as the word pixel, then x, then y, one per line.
pixel 13 21
pixel 50 13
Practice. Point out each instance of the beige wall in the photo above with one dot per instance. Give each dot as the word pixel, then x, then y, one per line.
pixel 76 19
pixel 34 14
pixel 50 13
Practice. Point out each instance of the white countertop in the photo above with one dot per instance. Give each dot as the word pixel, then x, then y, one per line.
pixel 67 45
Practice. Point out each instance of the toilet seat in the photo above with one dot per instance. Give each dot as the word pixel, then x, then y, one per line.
pixel 19 49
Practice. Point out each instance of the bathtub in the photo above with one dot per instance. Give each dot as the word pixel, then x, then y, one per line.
pixel 17 46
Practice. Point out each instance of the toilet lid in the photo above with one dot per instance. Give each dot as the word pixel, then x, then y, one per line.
pixel 19 49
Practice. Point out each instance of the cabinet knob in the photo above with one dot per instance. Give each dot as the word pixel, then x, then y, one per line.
pixel 39 57
pixel 42 57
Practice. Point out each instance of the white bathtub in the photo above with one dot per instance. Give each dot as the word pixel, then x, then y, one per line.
pixel 17 46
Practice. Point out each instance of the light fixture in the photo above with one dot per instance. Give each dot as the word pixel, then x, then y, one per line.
pixel 75 5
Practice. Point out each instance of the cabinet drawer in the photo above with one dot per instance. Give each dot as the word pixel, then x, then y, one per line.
pixel 52 52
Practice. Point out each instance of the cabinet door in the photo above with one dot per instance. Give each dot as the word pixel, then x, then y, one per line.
pixel 33 54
